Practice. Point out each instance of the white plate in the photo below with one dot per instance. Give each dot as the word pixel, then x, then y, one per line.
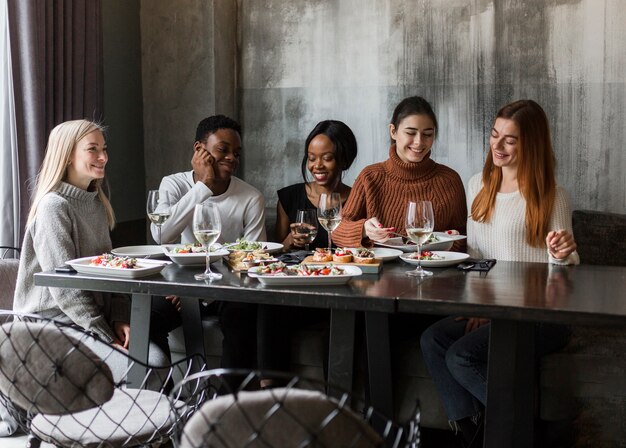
pixel 192 259
pixel 143 269
pixel 138 251
pixel 449 259
pixel 445 243
pixel 267 246
pixel 350 271
pixel 386 254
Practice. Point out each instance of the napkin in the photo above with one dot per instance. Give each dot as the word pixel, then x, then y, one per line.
pixel 474 264
pixel 294 257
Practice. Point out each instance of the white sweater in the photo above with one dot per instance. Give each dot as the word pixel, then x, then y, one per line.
pixel 504 236
pixel 241 207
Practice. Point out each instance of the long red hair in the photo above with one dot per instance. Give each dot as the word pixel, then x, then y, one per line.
pixel 535 171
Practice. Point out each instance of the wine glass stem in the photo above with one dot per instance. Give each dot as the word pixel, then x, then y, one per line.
pixel 419 258
pixel 208 260
pixel 330 244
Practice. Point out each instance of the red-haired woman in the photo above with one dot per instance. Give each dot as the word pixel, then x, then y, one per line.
pixel 517 213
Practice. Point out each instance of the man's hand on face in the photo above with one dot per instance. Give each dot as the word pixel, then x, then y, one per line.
pixel 202 164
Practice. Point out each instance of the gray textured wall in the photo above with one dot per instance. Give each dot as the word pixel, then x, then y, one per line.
pixel 303 61
pixel 122 107
pixel 188 62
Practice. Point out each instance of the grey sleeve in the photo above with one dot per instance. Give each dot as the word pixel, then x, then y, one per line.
pixel 54 244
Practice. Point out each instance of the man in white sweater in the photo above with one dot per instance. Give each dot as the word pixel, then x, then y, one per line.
pixel 216 154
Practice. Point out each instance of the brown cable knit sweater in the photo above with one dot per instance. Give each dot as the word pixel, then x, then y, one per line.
pixel 384 189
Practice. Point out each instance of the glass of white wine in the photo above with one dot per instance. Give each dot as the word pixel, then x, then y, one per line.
pixel 158 208
pixel 207 227
pixel 329 213
pixel 420 222
pixel 306 226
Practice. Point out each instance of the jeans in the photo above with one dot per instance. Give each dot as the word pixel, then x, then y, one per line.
pixel 457 362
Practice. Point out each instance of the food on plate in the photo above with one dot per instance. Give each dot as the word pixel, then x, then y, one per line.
pixel 189 249
pixel 432 239
pixel 111 261
pixel 427 255
pixel 365 256
pixel 302 270
pixel 242 244
pixel 240 260
pixel 342 256
pixel 452 232
pixel 322 255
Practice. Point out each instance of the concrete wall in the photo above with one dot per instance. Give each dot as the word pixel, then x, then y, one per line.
pixel 304 61
pixel 123 107
pixel 188 59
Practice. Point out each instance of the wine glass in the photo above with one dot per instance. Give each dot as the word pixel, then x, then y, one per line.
pixel 207 227
pixel 158 208
pixel 420 222
pixel 329 213
pixel 306 226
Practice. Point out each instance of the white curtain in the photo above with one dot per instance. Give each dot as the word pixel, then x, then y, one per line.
pixel 9 169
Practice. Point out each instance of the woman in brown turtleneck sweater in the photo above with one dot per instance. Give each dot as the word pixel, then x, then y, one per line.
pixel 381 192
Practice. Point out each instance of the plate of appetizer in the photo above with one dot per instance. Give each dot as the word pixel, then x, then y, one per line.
pixel 250 246
pixel 436 259
pixel 146 251
pixel 113 266
pixel 281 274
pixel 240 260
pixel 361 257
pixel 386 254
pixel 192 254
pixel 437 241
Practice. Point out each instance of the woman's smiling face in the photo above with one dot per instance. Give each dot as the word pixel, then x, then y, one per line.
pixel 414 137
pixel 321 161
pixel 88 160
pixel 504 143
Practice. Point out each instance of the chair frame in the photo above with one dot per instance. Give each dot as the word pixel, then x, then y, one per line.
pixel 184 367
pixel 210 384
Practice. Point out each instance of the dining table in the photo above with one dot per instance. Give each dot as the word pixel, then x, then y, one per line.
pixel 515 296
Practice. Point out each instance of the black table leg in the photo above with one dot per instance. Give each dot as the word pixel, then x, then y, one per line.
pixel 341 350
pixel 141 306
pixel 510 414
pixel 379 362
pixel 192 329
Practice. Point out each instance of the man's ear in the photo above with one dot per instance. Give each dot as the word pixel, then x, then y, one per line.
pixel 197 146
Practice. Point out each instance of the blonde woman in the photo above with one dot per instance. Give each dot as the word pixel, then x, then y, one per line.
pixel 70 217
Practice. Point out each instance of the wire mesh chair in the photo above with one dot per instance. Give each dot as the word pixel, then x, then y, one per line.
pixel 298 414
pixel 7 252
pixel 64 387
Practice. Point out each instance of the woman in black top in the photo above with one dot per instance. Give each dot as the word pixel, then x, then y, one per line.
pixel 329 150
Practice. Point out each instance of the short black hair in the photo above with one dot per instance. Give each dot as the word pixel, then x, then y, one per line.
pixel 210 125
pixel 342 137
pixel 413 105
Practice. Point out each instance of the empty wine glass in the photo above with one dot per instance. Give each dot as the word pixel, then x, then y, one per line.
pixel 420 222
pixel 329 213
pixel 207 227
pixel 306 226
pixel 158 208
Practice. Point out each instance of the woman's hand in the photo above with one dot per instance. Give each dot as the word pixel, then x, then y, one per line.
pixel 375 231
pixel 560 244
pixel 298 239
pixel 175 300
pixel 473 323
pixel 122 334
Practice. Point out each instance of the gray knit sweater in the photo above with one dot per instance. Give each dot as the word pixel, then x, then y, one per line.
pixel 70 223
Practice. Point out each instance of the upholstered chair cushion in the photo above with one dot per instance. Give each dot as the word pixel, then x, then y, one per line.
pixel 43 369
pixel 131 418
pixel 277 418
pixel 600 237
pixel 8 278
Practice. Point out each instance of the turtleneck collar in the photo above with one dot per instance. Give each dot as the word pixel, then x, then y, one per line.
pixel 395 167
pixel 72 191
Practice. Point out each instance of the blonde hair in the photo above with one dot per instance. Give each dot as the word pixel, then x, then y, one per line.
pixel 535 171
pixel 61 144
